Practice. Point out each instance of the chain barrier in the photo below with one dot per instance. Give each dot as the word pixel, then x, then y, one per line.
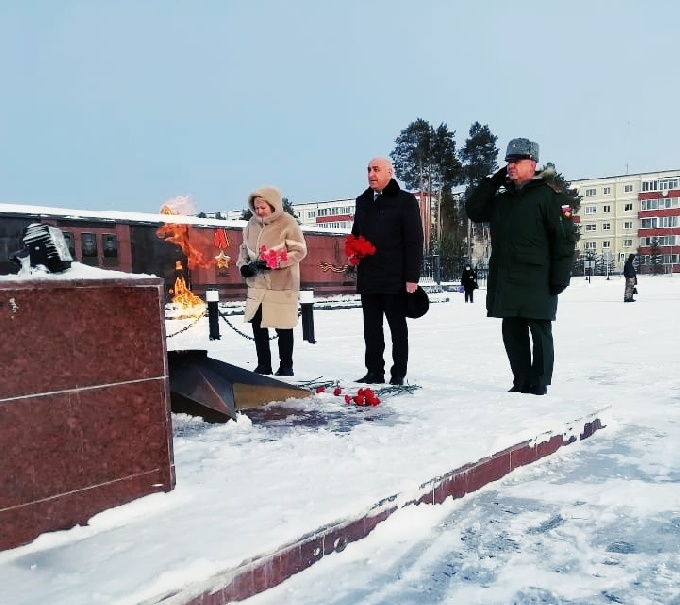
pixel 233 327
pixel 185 328
pixel 224 317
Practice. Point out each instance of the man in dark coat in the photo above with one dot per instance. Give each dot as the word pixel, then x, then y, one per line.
pixel 631 279
pixel 469 282
pixel 532 241
pixel 389 218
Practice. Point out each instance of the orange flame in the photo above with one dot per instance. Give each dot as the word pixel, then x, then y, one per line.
pixel 184 297
pixel 177 233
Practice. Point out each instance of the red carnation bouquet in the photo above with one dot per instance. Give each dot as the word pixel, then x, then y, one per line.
pixel 357 248
pixel 272 257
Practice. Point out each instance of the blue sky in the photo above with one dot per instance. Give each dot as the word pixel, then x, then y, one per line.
pixel 122 105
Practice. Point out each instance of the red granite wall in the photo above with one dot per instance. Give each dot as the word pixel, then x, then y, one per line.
pixel 84 403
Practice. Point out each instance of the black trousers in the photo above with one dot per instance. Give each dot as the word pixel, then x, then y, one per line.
pixel 391 307
pixel 261 336
pixel 527 369
pixel 469 294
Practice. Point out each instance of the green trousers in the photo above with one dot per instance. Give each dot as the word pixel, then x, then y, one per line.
pixel 531 366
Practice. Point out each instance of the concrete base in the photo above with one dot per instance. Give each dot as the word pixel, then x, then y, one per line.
pixel 84 401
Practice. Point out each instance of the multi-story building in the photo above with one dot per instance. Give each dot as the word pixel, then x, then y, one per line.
pixel 339 214
pixel 622 215
pixel 334 214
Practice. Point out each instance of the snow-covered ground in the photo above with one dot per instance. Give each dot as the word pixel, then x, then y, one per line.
pixel 598 522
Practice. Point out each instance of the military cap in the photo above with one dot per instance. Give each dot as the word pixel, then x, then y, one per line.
pixel 521 149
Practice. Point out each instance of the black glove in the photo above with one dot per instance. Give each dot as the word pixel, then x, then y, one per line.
pixel 247 271
pixel 253 268
pixel 499 177
pixel 555 289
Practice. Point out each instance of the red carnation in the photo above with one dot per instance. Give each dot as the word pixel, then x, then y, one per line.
pixel 357 248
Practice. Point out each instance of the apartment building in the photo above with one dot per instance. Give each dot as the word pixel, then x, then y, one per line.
pixel 339 214
pixel 622 215
pixel 333 214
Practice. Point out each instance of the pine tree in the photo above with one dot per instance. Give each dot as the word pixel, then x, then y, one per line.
pixel 426 159
pixel 479 156
pixel 656 257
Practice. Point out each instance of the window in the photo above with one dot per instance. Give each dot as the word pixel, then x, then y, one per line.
pixel 606 226
pixel 110 245
pixel 607 208
pixel 591 245
pixel 606 244
pixel 606 190
pixel 591 192
pixel 591 227
pixel 628 189
pixel 591 209
pixel 659 203
pixel 89 245
pixel 628 207
pixel 627 224
pixel 70 244
pixel 311 213
pixel 110 249
pixel 627 243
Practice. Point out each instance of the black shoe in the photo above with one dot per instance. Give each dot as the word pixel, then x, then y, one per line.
pixel 538 389
pixel 265 370
pixel 284 372
pixel 372 378
pixel 397 380
pixel 518 389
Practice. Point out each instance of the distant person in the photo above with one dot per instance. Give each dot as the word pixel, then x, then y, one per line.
pixel 469 282
pixel 631 279
pixel 532 243
pixel 389 218
pixel 269 260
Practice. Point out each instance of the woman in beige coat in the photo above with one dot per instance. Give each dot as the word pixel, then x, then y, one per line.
pixel 269 260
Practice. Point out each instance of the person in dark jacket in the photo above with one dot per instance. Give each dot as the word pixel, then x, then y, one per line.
pixel 469 282
pixel 631 279
pixel 389 218
pixel 532 241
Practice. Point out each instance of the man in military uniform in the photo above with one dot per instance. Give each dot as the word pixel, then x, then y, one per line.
pixel 532 248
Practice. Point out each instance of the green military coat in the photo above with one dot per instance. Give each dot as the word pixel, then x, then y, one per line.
pixel 532 246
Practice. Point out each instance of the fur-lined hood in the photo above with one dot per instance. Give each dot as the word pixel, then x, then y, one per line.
pixel 272 196
pixel 546 172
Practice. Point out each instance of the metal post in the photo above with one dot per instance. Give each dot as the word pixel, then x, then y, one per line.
pixel 307 311
pixel 212 297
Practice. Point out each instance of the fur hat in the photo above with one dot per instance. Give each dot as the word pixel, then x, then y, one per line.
pixel 521 149
pixel 270 194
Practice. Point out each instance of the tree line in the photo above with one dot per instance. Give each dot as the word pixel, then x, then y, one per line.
pixel 427 159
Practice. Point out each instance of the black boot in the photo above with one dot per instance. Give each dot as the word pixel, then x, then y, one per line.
pixel 261 337
pixel 285 352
